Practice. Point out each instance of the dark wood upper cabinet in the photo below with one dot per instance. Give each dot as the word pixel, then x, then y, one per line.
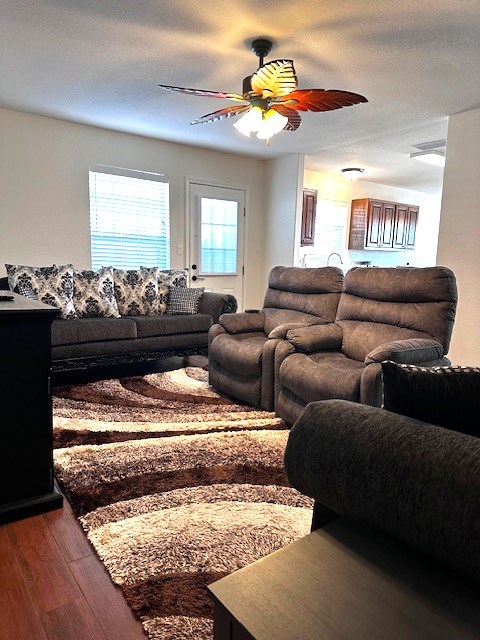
pixel 309 211
pixel 411 227
pixel 377 224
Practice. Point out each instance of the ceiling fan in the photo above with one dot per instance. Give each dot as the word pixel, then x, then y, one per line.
pixel 270 101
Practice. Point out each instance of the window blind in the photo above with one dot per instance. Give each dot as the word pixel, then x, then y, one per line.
pixel 129 218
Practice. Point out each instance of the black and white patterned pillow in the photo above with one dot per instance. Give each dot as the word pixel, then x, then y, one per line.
pixel 446 396
pixel 26 276
pixel 183 300
pixel 93 293
pixel 27 292
pixel 175 277
pixel 50 285
pixel 136 291
pixel 168 278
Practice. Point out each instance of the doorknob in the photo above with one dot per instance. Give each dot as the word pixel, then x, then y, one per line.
pixel 197 278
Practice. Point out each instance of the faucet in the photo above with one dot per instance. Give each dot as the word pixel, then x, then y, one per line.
pixel 334 254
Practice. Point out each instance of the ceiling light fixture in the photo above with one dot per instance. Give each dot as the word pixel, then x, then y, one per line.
pixel 270 101
pixel 352 173
pixel 430 157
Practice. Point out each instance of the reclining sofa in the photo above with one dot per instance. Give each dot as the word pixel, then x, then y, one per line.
pixel 310 342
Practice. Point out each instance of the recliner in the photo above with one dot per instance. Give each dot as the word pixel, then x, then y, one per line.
pixel 402 314
pixel 242 346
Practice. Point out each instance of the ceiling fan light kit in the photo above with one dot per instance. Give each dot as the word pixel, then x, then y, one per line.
pixel 270 101
pixel 352 173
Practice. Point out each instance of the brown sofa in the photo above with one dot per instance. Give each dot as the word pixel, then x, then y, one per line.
pixel 242 346
pixel 402 314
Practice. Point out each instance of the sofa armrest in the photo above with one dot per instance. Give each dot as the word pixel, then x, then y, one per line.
pixel 280 332
pixel 411 351
pixel 412 479
pixel 316 338
pixel 214 331
pixel 214 304
pixel 243 322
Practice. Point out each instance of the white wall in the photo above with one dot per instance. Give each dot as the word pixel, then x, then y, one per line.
pixel 44 200
pixel 459 241
pixel 332 187
pixel 283 202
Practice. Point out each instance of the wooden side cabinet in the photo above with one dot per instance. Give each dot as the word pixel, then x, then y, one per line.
pixel 309 212
pixel 377 224
pixel 26 459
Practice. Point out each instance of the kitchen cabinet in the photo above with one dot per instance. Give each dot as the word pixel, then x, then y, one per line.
pixel 378 224
pixel 309 212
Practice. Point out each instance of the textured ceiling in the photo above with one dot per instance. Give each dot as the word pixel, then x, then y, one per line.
pixel 99 62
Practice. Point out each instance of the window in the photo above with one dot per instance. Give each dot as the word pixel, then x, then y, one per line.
pixel 218 233
pixel 129 218
pixel 330 233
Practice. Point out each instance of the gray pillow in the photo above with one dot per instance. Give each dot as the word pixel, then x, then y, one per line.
pixel 183 300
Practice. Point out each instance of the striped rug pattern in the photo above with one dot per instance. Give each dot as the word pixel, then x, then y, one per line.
pixel 176 487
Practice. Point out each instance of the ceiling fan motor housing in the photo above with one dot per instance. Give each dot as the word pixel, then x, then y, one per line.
pixel 261 47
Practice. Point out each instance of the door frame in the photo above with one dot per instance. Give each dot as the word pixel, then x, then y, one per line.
pixel 189 181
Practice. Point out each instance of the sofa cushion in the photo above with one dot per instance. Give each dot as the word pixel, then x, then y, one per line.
pixel 92 330
pixel 239 353
pixel 321 376
pixel 164 325
pixel 446 396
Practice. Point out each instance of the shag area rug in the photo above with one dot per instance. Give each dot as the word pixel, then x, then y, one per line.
pixel 176 487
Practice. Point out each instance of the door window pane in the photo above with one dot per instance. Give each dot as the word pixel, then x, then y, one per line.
pixel 218 236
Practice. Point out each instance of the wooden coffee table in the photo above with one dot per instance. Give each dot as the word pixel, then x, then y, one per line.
pixel 346 582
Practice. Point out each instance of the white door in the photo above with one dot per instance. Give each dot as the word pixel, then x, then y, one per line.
pixel 217 217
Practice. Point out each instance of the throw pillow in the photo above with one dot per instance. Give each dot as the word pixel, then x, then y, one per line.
pixel 50 285
pixel 19 274
pixel 93 293
pixel 27 292
pixel 136 291
pixel 183 300
pixel 168 278
pixel 446 396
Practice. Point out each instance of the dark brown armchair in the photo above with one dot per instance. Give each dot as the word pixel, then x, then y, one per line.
pixel 242 346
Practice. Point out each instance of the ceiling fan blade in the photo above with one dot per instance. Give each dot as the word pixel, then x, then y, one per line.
pixel 221 114
pixel 321 99
pixel 276 78
pixel 203 92
pixel 294 119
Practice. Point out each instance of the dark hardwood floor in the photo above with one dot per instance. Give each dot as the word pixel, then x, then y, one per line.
pixel 53 586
